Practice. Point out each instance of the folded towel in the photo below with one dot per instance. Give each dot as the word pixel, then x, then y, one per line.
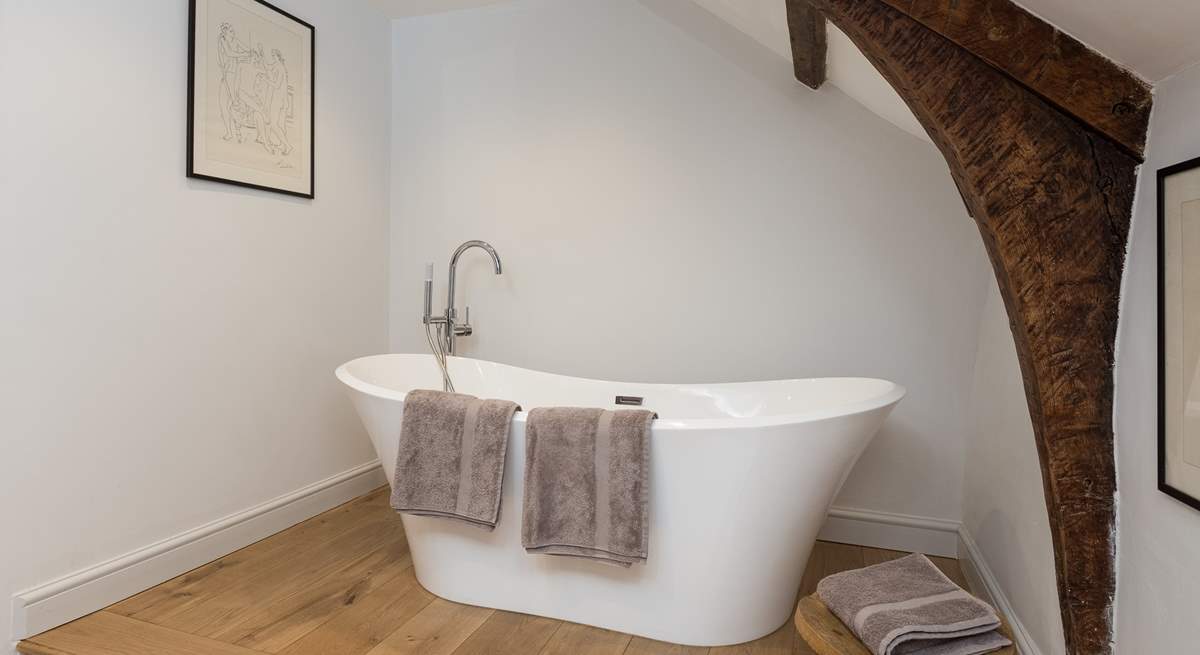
pixel 907 606
pixel 451 459
pixel 587 483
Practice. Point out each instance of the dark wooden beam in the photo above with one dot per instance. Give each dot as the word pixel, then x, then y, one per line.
pixel 1065 72
pixel 807 28
pixel 1052 199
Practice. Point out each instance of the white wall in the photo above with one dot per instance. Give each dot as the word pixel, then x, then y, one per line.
pixel 1004 507
pixel 671 206
pixel 169 344
pixel 1158 566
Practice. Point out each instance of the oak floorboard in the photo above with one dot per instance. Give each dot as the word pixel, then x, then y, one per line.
pixel 577 639
pixel 784 641
pixel 181 590
pixel 358 628
pixel 841 557
pixel 814 569
pixel 106 633
pixel 874 556
pixel 272 626
pixel 644 646
pixel 286 572
pixel 31 648
pixel 438 629
pixel 509 633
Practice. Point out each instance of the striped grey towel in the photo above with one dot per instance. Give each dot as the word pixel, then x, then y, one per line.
pixel 451 458
pixel 908 607
pixel 587 484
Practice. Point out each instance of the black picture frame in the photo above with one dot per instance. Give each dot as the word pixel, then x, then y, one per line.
pixel 1160 189
pixel 312 107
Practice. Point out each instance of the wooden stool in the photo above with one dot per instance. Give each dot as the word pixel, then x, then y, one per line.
pixel 827 635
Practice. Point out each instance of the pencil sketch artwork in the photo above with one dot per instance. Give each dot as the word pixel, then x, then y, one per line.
pixel 253 95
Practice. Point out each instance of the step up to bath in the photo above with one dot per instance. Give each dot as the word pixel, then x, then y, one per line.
pixel 827 635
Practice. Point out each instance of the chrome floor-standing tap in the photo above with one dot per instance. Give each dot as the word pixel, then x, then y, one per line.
pixel 447 324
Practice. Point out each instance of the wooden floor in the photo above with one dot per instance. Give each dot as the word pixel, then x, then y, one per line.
pixel 342 583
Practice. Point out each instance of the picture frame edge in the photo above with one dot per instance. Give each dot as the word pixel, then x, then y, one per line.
pixel 191 109
pixel 1161 176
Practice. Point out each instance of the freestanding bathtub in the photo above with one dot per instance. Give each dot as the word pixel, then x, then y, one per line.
pixel 742 476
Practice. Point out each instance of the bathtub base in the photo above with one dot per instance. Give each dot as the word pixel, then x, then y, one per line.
pixel 713 607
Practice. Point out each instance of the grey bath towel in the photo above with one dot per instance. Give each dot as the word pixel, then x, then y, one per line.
pixel 587 483
pixel 908 607
pixel 451 459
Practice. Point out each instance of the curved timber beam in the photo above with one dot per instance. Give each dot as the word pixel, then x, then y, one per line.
pixel 1075 79
pixel 1052 196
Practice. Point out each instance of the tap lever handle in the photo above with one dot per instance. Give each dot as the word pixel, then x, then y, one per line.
pixel 464 328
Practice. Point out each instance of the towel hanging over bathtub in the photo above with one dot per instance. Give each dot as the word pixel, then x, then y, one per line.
pixel 587 483
pixel 451 459
pixel 907 606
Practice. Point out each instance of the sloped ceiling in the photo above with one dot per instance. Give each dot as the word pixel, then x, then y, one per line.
pixel 1154 38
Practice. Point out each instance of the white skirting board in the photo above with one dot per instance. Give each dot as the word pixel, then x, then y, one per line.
pixel 983 582
pixel 70 597
pixel 918 534
pixel 921 534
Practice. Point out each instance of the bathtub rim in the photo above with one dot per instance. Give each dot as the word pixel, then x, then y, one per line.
pixel 894 394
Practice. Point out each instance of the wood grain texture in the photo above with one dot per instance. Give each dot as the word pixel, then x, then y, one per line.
pixel 289 571
pixel 1052 200
pixel 784 641
pixel 827 635
pixel 643 646
pixel 806 28
pixel 357 628
pixel 509 633
pixel 439 629
pixel 181 590
pixel 106 633
pixel 1066 73
pixel 272 627
pixel 575 639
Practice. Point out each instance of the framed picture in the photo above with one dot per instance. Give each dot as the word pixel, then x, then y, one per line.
pixel 1179 331
pixel 250 96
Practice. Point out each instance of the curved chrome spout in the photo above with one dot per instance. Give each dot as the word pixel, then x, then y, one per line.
pixel 451 312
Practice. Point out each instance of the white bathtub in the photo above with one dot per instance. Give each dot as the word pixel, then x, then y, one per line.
pixel 741 478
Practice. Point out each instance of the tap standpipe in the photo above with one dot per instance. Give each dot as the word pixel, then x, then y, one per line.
pixel 451 324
